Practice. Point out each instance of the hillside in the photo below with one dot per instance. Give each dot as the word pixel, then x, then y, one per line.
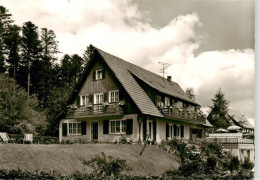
pixel 67 159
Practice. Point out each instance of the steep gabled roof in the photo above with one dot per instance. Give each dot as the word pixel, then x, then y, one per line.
pixel 157 82
pixel 125 72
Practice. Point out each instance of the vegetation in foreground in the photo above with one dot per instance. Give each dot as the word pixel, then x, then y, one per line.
pixel 212 163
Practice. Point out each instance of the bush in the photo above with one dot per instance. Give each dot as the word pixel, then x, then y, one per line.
pixel 107 166
pixel 211 163
pixel 191 167
pixel 247 164
pixel 233 164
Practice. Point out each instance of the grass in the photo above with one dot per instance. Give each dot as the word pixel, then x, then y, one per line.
pixel 66 159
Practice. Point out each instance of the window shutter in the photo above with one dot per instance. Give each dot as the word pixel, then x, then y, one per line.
pixel 78 100
pixel 83 128
pixel 103 73
pixel 121 95
pixel 94 75
pixel 105 126
pixel 144 129
pixel 91 99
pixel 64 129
pixel 129 126
pixel 154 130
pixel 105 97
pixel 167 130
pixel 182 131
pixel 175 129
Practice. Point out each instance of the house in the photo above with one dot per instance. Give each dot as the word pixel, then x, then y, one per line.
pixel 115 99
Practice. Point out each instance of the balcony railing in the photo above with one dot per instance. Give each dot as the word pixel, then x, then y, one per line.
pixel 231 140
pixel 95 109
pixel 183 114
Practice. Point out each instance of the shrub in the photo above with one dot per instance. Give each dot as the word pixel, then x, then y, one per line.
pixel 191 167
pixel 211 163
pixel 181 147
pixel 233 164
pixel 247 164
pixel 107 166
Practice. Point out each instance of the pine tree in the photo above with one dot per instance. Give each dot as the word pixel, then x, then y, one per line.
pixel 219 110
pixel 5 21
pixel 88 53
pixel 31 53
pixel 46 72
pixel 12 41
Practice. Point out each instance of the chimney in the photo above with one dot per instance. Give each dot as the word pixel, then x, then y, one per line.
pixel 169 78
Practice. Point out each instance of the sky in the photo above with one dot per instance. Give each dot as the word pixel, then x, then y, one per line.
pixel 209 44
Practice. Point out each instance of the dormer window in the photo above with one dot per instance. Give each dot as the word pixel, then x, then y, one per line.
pixel 99 74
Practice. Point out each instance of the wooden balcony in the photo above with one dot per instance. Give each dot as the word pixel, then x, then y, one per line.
pixel 95 110
pixel 182 114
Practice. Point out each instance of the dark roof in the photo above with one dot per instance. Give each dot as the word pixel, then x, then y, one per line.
pixel 125 72
pixel 157 82
pixel 244 124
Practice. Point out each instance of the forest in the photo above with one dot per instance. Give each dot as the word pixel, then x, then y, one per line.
pixel 35 83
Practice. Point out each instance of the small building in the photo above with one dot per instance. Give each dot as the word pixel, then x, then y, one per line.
pixel 115 99
pixel 236 144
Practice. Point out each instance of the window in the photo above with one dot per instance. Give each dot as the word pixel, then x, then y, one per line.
pixel 99 74
pixel 117 126
pixel 114 96
pixel 171 132
pixel 167 101
pixel 84 100
pixel 98 98
pixel 74 128
pixel 150 129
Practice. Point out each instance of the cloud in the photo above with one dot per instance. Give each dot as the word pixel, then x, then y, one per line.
pixel 231 70
pixel 118 27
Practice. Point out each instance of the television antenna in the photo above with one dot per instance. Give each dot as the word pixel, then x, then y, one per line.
pixel 165 65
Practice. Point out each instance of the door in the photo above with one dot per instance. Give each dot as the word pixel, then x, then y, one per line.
pixel 94 130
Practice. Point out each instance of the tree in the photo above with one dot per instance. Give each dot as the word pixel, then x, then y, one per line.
pixel 17 113
pixel 12 41
pixel 190 93
pixel 88 53
pixel 31 51
pixel 45 82
pixel 219 110
pixel 5 21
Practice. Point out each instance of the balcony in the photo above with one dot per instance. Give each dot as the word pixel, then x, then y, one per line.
pixel 95 110
pixel 182 114
pixel 231 140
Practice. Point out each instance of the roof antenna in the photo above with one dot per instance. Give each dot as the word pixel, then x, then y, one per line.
pixel 165 65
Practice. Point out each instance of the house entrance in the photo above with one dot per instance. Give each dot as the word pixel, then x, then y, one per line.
pixel 94 127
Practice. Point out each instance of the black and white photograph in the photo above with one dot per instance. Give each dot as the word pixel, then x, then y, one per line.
pixel 127 89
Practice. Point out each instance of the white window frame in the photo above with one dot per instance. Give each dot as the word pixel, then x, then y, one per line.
pixel 167 101
pixel 95 98
pixel 77 128
pixel 121 126
pixel 86 102
pixel 149 131
pixel 171 131
pixel 114 98
pixel 97 75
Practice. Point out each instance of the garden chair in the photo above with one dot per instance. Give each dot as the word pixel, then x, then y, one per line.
pixel 28 138
pixel 4 137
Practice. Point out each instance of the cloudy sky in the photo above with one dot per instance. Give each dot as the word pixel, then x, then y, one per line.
pixel 210 44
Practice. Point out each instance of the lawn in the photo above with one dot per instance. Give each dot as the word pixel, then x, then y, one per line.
pixel 67 159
